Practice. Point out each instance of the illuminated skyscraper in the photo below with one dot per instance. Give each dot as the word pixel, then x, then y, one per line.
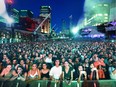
pixel 113 10
pixel 15 15
pixel 63 25
pixel 98 13
pixel 45 17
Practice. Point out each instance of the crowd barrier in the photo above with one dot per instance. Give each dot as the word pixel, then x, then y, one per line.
pixel 47 83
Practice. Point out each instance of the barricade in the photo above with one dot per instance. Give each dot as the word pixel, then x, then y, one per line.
pixel 48 83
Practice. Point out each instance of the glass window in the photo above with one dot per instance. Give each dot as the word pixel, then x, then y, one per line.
pixel 105 20
pixel 105 4
pixel 105 14
pixel 105 17
pixel 99 14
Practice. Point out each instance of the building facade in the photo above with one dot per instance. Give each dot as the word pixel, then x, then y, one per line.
pixel 45 19
pixel 113 10
pixel 26 13
pixel 98 13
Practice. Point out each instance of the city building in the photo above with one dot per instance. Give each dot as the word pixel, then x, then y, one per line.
pixel 113 10
pixel 2 20
pixel 26 13
pixel 15 15
pixel 63 25
pixel 98 13
pixel 45 19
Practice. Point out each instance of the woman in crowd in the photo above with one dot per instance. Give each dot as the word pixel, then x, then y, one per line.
pixel 80 73
pixel 34 73
pixel 19 74
pixel 93 73
pixel 6 73
pixel 44 72
pixel 101 72
pixel 67 72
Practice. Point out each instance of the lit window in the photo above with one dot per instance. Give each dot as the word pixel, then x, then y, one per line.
pixel 99 14
pixel 105 14
pixel 105 4
pixel 105 17
pixel 105 20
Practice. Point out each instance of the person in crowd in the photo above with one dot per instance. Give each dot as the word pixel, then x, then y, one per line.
pixel 4 57
pixel 14 56
pixel 8 61
pixel 86 64
pixel 67 72
pixel 6 73
pixel 14 64
pixel 71 62
pixel 45 72
pixel 112 70
pixel 93 73
pixel 37 56
pixel 62 61
pixel 25 66
pixel 49 61
pixel 76 63
pixel 19 74
pixel 80 73
pixel 56 71
pixel 101 72
pixel 98 61
pixel 34 73
pixel 5 60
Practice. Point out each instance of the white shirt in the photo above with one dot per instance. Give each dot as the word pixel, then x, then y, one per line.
pixel 48 60
pixel 55 72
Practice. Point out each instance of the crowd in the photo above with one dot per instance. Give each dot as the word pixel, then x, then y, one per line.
pixel 58 60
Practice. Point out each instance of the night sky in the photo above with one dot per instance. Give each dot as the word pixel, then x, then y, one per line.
pixel 61 9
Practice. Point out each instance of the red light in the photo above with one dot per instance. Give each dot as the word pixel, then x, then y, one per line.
pixel 10 1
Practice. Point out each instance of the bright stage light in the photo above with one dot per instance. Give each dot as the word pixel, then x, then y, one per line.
pixel 74 30
pixel 9 20
pixel 3 12
pixel 2 8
